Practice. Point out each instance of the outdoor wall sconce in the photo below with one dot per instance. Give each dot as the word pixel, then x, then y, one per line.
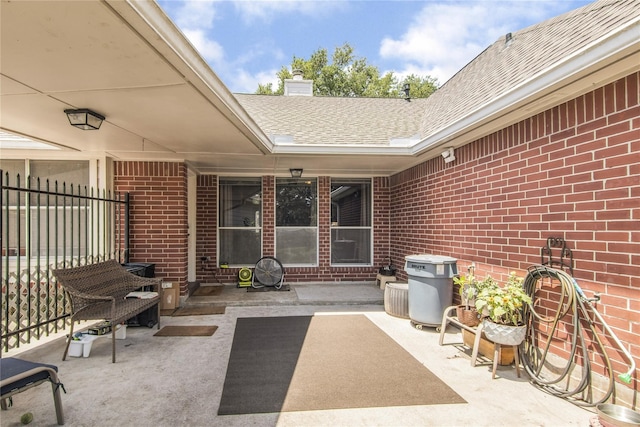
pixel 295 173
pixel 448 155
pixel 84 119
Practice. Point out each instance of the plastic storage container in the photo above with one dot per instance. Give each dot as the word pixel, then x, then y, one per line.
pixel 82 347
pixel 430 287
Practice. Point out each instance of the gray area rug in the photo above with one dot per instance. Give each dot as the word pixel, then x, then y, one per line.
pixel 304 363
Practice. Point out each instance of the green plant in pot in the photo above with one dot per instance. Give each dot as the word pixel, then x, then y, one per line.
pixel 468 288
pixel 502 310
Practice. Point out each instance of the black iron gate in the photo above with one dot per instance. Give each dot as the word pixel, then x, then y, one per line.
pixel 45 226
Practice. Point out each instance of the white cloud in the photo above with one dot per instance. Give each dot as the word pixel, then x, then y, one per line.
pixel 196 18
pixel 239 79
pixel 195 14
pixel 245 82
pixel 444 37
pixel 266 10
pixel 210 50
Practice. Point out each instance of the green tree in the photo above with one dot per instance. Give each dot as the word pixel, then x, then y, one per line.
pixel 348 75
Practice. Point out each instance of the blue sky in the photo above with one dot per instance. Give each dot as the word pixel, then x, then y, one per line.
pixel 247 42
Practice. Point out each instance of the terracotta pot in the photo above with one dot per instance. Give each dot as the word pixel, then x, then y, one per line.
pixel 504 334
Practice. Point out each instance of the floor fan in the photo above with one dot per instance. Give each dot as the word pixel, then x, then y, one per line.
pixel 244 277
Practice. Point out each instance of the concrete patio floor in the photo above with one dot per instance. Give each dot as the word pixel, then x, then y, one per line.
pixel 178 381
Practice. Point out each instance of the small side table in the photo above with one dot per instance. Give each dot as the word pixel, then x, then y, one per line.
pixel 447 318
pixel 476 330
pixel 496 356
pixel 381 280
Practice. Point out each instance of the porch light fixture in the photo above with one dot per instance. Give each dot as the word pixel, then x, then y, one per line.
pixel 295 173
pixel 84 119
pixel 448 155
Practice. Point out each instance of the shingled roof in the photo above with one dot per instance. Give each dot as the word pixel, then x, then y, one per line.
pixel 336 120
pixel 510 63
pixel 506 65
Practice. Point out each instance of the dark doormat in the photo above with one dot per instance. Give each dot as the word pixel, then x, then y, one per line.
pixel 303 363
pixel 199 310
pixel 186 331
pixel 208 291
pixel 269 288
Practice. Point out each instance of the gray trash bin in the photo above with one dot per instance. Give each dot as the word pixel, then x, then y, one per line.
pixel 430 287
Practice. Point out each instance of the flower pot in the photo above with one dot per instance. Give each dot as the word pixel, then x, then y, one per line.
pixel 467 316
pixel 487 349
pixel 504 334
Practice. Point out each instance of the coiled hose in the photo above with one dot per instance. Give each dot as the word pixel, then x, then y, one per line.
pixel 573 310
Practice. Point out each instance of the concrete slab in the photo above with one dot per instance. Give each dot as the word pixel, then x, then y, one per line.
pixel 174 381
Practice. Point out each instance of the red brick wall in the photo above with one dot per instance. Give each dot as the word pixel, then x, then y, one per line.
pixel 268 215
pixel 158 215
pixel 382 233
pixel 207 231
pixel 206 224
pixel 572 171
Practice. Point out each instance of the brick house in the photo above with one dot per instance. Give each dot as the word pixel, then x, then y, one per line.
pixel 544 126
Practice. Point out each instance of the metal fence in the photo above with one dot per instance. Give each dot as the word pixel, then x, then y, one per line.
pixel 45 226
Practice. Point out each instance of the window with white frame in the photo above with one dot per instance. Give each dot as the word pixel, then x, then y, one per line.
pixel 297 221
pixel 240 221
pixel 351 213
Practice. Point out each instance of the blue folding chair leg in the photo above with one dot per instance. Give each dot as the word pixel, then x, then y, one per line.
pixel 19 375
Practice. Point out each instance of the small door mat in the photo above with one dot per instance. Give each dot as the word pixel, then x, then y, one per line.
pixel 269 288
pixel 199 310
pixel 208 291
pixel 186 331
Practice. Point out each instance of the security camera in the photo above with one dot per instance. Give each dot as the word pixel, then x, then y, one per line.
pixel 448 155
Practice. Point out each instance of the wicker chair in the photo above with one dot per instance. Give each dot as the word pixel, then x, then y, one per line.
pixel 98 292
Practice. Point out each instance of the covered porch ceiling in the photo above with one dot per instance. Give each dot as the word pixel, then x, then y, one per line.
pixel 162 102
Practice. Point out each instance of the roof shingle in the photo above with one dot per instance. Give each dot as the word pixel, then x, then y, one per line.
pixel 333 120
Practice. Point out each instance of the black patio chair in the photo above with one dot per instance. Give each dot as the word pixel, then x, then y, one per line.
pixel 17 375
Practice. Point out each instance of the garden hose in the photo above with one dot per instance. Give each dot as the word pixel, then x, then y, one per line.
pixel 573 310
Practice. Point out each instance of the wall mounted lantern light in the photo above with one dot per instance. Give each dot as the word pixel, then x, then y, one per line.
pixel 295 173
pixel 84 119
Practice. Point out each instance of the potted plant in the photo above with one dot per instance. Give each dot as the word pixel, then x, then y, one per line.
pixel 468 288
pixel 502 310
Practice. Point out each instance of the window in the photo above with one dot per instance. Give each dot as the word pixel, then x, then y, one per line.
pixel 351 221
pixel 240 221
pixel 297 221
